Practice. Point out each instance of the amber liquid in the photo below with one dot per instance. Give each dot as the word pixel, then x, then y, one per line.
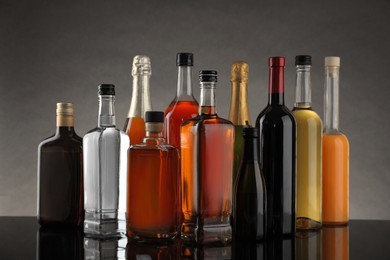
pixel 335 179
pixel 207 166
pixel 135 129
pixel 152 192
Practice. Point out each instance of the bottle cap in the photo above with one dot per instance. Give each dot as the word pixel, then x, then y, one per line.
pixel 106 89
pixel 332 61
pixel 276 61
pixel 141 65
pixel 154 117
pixel 208 76
pixel 64 108
pixel 249 131
pixel 184 59
pixel 302 60
pixel 240 70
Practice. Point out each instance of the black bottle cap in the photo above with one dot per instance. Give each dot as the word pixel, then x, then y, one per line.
pixel 154 117
pixel 106 89
pixel 208 76
pixel 302 60
pixel 249 131
pixel 184 59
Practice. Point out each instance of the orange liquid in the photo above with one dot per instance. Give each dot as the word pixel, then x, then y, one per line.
pixel 335 179
pixel 335 243
pixel 135 129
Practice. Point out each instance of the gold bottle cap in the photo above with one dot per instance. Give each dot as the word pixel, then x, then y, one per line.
pixel 240 70
pixel 64 113
pixel 141 65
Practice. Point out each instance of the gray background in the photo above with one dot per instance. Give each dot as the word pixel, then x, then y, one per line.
pixel 54 51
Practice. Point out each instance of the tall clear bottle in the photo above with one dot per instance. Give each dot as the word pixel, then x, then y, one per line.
pixel 309 150
pixel 335 152
pixel 105 170
pixel 277 146
pixel 207 147
pixel 60 173
pixel 239 111
pixel 184 106
pixel 140 99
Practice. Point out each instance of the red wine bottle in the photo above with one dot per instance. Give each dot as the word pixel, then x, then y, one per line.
pixel 277 148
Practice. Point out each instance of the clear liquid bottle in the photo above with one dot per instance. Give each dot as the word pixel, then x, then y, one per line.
pixel 140 99
pixel 309 150
pixel 207 147
pixel 105 168
pixel 153 184
pixel 335 152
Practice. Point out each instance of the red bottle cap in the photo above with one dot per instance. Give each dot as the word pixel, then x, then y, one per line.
pixel 276 61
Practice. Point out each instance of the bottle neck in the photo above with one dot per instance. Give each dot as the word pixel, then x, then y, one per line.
pixel 140 99
pixel 65 130
pixel 331 103
pixel 154 133
pixel 184 83
pixel 239 111
pixel 250 149
pixel 276 86
pixel 207 98
pixel 106 111
pixel 303 87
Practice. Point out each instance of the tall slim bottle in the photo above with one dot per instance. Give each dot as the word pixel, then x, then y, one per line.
pixel 60 173
pixel 184 106
pixel 140 99
pixel 105 168
pixel 335 152
pixel 207 146
pixel 277 154
pixel 309 150
pixel 239 111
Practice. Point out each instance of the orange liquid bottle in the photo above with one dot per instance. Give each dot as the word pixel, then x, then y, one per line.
pixel 140 100
pixel 335 153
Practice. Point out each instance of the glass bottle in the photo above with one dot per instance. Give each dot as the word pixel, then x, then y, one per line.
pixel 277 154
pixel 207 146
pixel 309 150
pixel 184 105
pixel 250 194
pixel 60 173
pixel 105 167
pixel 335 152
pixel 140 99
pixel 153 184
pixel 239 111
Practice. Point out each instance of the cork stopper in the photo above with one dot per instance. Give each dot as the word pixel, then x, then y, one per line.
pixel 64 114
pixel 240 70
pixel 141 66
pixel 332 61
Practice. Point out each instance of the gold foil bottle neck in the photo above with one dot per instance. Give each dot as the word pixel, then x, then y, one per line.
pixel 141 66
pixel 240 71
pixel 64 114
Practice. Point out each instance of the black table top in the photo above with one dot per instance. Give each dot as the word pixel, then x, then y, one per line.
pixel 22 238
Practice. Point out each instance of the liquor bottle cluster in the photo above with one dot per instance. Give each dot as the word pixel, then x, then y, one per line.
pixel 189 173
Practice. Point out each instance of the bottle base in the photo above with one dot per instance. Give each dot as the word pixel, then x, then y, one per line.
pixel 307 224
pixel 336 223
pixel 207 235
pixel 102 225
pixel 147 236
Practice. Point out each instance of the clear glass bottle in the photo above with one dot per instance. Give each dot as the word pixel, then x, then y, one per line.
pixel 309 150
pixel 105 168
pixel 239 110
pixel 140 99
pixel 207 147
pixel 60 173
pixel 184 105
pixel 335 152
pixel 153 184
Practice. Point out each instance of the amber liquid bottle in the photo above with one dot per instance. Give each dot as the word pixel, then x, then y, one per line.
pixel 153 184
pixel 60 173
pixel 239 111
pixel 207 146
pixel 335 152
pixel 140 99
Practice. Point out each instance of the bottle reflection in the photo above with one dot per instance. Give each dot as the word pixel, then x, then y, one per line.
pixel 145 251
pixel 308 245
pixel 280 249
pixel 59 243
pixel 335 243
pixel 248 251
pixel 99 249
pixel 205 252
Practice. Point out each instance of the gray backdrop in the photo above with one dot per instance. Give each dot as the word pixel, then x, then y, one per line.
pixel 54 51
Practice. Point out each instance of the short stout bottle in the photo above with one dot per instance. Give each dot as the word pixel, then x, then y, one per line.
pixel 105 168
pixel 207 146
pixel 309 150
pixel 60 173
pixel 140 99
pixel 250 192
pixel 277 154
pixel 153 184
pixel 335 152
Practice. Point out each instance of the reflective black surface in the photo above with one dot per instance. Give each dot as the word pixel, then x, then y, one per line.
pixel 22 238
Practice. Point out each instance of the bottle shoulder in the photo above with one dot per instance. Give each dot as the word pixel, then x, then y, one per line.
pixel 307 116
pixel 61 141
pixel 153 146
pixel 275 115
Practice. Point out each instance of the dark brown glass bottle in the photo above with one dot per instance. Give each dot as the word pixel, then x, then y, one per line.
pixel 60 175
